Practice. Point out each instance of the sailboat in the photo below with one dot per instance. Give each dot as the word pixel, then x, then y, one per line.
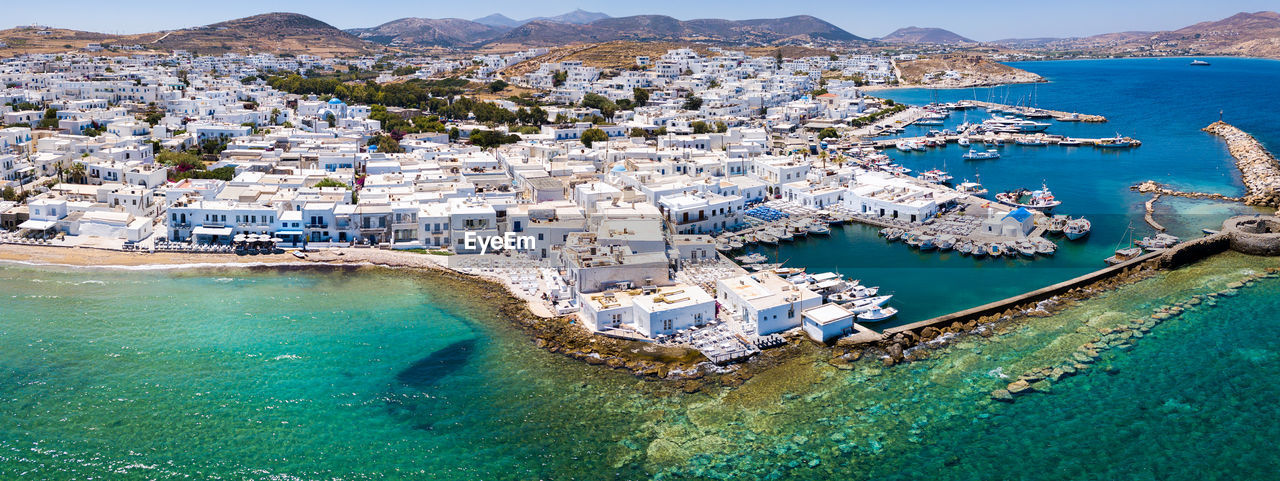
pixel 1125 254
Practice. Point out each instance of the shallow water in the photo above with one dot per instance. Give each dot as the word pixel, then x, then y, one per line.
pixel 312 375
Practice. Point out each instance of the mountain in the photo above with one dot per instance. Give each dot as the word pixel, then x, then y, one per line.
pixel 498 20
pixel 915 34
pixel 1255 34
pixel 802 29
pixel 577 17
pixel 270 32
pixel 442 32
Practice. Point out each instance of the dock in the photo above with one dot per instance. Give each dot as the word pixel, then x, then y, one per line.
pixel 993 139
pixel 1058 115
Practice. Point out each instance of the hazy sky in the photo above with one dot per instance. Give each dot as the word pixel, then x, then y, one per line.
pixel 978 19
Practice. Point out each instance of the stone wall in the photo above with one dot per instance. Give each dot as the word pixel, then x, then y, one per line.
pixel 1254 235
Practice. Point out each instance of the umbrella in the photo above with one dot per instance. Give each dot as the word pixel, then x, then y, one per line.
pixel 277 240
pixel 240 238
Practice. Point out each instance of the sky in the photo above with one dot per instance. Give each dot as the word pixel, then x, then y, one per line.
pixel 979 20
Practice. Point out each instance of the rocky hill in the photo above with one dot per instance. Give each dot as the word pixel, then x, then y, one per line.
pixel 924 35
pixel 578 16
pixel 440 32
pixel 797 29
pixel 1255 34
pixel 270 32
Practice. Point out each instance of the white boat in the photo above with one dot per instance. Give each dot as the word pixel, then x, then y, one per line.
pixel 936 176
pixel 1045 248
pixel 1031 142
pixel 1160 241
pixel 975 154
pixel 908 145
pixel 1013 125
pixel 877 314
pixel 1077 228
pixel 1123 255
pixel 963 142
pixel 945 242
pixel 1200 63
pixel 819 229
pixel 1026 248
pixel 1031 199
pixel 1116 142
pixel 867 304
pixel 767 238
pixel 1069 142
pixel 972 188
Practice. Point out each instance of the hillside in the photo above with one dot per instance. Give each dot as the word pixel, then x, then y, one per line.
pixel 271 32
pixel 578 16
pixel 1255 34
pixel 915 34
pixel 798 29
pixel 443 32
pixel 24 40
pixel 974 71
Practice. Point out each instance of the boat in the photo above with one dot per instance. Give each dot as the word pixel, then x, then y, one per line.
pixel 723 247
pixel 767 238
pixel 817 228
pixel 1045 248
pixel 994 250
pixel 963 142
pixel 972 188
pixel 945 242
pixel 936 176
pixel 1160 241
pixel 908 145
pixel 1123 255
pixel 858 306
pixel 979 250
pixel 1200 63
pixel 877 314
pixel 1031 199
pixel 754 258
pixel 928 121
pixel 1077 228
pixel 1116 142
pixel 1073 117
pixel 1026 248
pixel 927 242
pixel 1056 224
pixel 912 239
pixel 1031 142
pixel 784 235
pixel 1013 125
pixel 975 154
pixel 735 244
pixel 1069 142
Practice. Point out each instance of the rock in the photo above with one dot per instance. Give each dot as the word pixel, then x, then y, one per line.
pixel 929 333
pixel 1031 376
pixel 1019 387
pixel 1042 386
pixel 1002 395
pixel 888 361
pixel 1067 369
pixel 852 356
pixel 1080 357
pixel 895 351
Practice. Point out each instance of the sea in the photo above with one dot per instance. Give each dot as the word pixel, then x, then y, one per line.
pixel 375 373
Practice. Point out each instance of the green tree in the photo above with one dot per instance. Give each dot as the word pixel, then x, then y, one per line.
pixel 692 103
pixel 9 194
pixel 640 96
pixel 487 139
pixel 596 101
pixel 50 119
pixel 559 78
pixel 497 86
pixel 330 182
pixel 591 136
pixel 638 132
pixel 828 133
pixel 721 127
pixel 386 144
pixel 700 127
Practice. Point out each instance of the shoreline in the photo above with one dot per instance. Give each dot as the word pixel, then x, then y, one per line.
pixel 977 84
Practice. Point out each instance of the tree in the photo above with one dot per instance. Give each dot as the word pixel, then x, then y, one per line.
pixel 9 194
pixel 329 182
pixel 77 173
pixel 700 127
pixel 154 117
pixel 559 78
pixel 330 118
pixel 638 132
pixel 50 119
pixel 497 86
pixel 596 101
pixel 692 103
pixel 777 58
pixel 640 96
pixel 828 133
pixel 385 144
pixel 487 139
pixel 591 136
pixel 721 127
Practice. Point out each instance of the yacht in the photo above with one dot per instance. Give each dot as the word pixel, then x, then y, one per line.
pixel 1200 63
pixel 1069 142
pixel 877 314
pixel 858 306
pixel 1013 125
pixel 989 154
pixel 964 141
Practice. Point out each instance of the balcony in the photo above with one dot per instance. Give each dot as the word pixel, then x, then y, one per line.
pixel 317 226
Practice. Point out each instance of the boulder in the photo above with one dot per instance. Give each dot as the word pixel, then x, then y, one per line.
pixel 1002 395
pixel 1019 387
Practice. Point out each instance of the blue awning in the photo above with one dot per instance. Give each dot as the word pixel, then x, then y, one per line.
pixel 288 232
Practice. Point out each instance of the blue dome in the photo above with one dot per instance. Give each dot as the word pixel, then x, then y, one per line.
pixel 619 168
pixel 335 101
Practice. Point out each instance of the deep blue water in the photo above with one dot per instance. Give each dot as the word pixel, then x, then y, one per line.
pixel 1163 102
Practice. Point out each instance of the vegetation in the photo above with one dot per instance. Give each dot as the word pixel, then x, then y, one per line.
pixel 185 165
pixel 828 133
pixel 498 86
pixel 591 136
pixel 867 119
pixel 641 97
pixel 330 182
pixel 700 127
pixel 487 139
pixel 50 119
pixel 596 101
pixel 692 103
pixel 386 144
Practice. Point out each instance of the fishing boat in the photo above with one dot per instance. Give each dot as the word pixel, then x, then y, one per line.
pixel 979 250
pixel 1123 255
pixel 1026 248
pixel 755 258
pixel 817 228
pixel 963 142
pixel 1031 199
pixel 964 247
pixel 1056 224
pixel 1199 63
pixel 972 188
pixel 877 314
pixel 1116 142
pixel 1160 241
pixel 1045 248
pixel 995 250
pixel 723 247
pixel 1069 142
pixel 975 154
pixel 1077 228
pixel 927 242
pixel 936 176
pixel 912 239
pixel 735 244
pixel 767 238
pixel 945 242
pixel 784 235
pixel 788 271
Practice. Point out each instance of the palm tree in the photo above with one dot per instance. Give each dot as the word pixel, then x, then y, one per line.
pixel 77 173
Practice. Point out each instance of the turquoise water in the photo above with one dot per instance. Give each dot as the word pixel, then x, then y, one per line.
pixel 1163 102
pixel 379 374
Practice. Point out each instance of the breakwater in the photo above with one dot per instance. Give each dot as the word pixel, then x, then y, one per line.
pixel 1056 114
pixel 1254 235
pixel 1258 169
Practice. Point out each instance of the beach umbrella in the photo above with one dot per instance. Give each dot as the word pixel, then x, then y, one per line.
pixel 240 238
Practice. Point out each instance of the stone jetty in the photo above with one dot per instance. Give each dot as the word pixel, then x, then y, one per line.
pixel 1258 167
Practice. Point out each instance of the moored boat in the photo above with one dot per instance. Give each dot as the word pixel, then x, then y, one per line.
pixel 1077 228
pixel 1041 199
pixel 975 154
pixel 877 314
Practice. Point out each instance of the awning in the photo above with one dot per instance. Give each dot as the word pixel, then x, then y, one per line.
pixel 202 230
pixel 288 232
pixel 38 224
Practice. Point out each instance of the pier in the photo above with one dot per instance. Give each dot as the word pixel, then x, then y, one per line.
pixel 1058 115
pixel 994 139
pixel 1258 168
